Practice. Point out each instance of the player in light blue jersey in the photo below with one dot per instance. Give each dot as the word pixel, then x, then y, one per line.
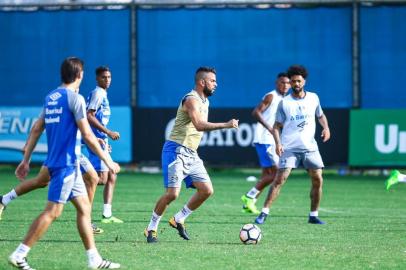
pixel 63 114
pixel 98 114
pixel 295 144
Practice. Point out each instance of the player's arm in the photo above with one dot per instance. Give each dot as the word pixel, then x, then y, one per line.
pixel 91 141
pixel 260 108
pixel 91 117
pixel 23 168
pixel 325 133
pixel 276 131
pixel 190 105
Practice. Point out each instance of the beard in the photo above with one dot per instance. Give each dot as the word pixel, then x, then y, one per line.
pixel 207 92
pixel 297 90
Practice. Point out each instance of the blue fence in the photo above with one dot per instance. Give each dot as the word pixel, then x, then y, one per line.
pixel 248 47
pixel 33 45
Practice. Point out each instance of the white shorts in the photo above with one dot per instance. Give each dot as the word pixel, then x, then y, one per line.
pixel 309 160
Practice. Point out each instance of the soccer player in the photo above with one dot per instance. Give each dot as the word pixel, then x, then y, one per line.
pixel 98 114
pixel 63 114
pixel 296 145
pixel 90 176
pixel 394 178
pixel 180 160
pixel 264 143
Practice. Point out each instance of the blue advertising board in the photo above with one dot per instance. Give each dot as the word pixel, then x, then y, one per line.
pixel 16 123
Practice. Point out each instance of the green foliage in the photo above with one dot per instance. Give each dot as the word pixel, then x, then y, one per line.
pixel 365 228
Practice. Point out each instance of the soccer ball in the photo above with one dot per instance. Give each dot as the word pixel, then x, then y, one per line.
pixel 250 234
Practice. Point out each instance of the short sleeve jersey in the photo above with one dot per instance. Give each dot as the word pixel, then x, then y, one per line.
pixel 62 108
pixel 262 135
pixel 297 115
pixel 98 101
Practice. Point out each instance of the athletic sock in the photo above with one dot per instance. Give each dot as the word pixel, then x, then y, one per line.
pixel 93 257
pixel 265 210
pixel 21 252
pixel 252 193
pixel 9 197
pixel 107 210
pixel 314 213
pixel 154 222
pixel 183 214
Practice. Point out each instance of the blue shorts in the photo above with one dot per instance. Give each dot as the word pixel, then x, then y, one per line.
pixel 266 155
pixel 97 163
pixel 66 183
pixel 179 164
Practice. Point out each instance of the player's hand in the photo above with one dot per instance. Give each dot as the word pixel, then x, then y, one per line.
pixel 233 123
pixel 113 166
pixel 114 135
pixel 22 170
pixel 325 134
pixel 279 149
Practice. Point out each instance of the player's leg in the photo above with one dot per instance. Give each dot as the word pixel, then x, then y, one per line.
pixel 58 193
pixel 82 204
pixel 290 161
pixel 394 178
pixel 40 181
pixel 267 159
pixel 108 199
pixel 314 164
pixel 173 174
pixel 171 194
pixel 91 179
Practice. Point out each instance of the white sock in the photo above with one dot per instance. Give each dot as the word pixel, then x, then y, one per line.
pixel 252 193
pixel 265 210
pixel 402 177
pixel 154 222
pixel 21 252
pixel 93 257
pixel 183 214
pixel 314 213
pixel 107 210
pixel 9 197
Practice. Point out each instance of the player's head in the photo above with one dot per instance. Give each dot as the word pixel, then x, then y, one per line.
pixel 282 83
pixel 72 70
pixel 297 75
pixel 103 77
pixel 205 79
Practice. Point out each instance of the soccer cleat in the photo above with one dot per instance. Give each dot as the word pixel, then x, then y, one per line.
pixel 20 264
pixel 2 207
pixel 111 219
pixel 152 236
pixel 393 179
pixel 96 230
pixel 180 227
pixel 261 218
pixel 315 220
pixel 106 264
pixel 250 204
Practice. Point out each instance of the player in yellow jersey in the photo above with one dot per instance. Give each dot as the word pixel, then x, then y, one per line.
pixel 180 160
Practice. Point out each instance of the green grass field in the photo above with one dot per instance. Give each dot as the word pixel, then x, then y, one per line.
pixel 366 227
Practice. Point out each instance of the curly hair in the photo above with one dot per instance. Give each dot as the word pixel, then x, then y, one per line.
pixel 297 70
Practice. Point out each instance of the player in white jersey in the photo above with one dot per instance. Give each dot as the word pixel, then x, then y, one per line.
pixel 296 144
pixel 264 143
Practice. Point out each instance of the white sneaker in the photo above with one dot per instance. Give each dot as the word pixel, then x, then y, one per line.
pixel 105 264
pixel 20 264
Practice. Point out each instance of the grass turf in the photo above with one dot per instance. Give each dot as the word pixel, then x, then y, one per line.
pixel 366 227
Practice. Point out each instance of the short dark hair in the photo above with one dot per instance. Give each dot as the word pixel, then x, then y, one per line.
pixel 202 71
pixel 282 74
pixel 297 70
pixel 102 69
pixel 70 69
